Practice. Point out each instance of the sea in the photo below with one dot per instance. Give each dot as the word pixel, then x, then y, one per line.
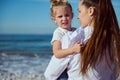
pixel 25 44
pixel 24 57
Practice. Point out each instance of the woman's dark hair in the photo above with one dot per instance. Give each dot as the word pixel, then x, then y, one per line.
pixel 104 43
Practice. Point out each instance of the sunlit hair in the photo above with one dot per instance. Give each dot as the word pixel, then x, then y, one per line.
pixel 106 36
pixel 57 3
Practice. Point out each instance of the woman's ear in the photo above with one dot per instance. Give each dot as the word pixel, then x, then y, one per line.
pixel 91 11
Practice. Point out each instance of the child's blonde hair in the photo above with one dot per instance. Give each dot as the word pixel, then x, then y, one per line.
pixel 56 3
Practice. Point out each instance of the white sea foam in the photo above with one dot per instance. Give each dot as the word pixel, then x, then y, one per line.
pixel 23 67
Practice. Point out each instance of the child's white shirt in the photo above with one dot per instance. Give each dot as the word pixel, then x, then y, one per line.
pixel 59 33
pixel 55 66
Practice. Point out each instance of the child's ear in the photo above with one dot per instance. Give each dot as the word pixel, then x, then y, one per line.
pixel 53 18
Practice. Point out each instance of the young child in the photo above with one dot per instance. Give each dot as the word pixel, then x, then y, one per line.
pixel 61 12
pixel 62 15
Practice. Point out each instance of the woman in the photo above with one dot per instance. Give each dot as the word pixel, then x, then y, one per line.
pixel 100 58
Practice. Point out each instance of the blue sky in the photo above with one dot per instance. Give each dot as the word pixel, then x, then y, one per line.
pixel 33 16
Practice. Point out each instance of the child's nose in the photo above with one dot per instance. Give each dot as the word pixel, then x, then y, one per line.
pixel 64 18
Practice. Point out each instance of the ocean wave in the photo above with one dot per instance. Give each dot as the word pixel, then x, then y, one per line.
pixel 23 67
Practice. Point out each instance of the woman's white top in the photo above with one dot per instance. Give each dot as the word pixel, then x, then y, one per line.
pixel 72 62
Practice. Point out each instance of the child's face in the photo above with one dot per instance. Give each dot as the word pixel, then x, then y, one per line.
pixel 83 15
pixel 63 17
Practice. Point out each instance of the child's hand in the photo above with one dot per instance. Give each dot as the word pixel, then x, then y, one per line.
pixel 82 45
pixel 78 47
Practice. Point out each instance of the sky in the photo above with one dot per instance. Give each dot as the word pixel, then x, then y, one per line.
pixel 33 16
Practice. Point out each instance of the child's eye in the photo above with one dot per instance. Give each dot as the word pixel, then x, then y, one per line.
pixel 67 15
pixel 59 16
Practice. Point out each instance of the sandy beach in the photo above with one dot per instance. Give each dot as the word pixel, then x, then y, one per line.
pixel 23 67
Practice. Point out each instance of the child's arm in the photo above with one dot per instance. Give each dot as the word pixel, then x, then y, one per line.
pixel 61 53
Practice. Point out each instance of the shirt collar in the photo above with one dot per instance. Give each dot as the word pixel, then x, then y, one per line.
pixel 64 30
